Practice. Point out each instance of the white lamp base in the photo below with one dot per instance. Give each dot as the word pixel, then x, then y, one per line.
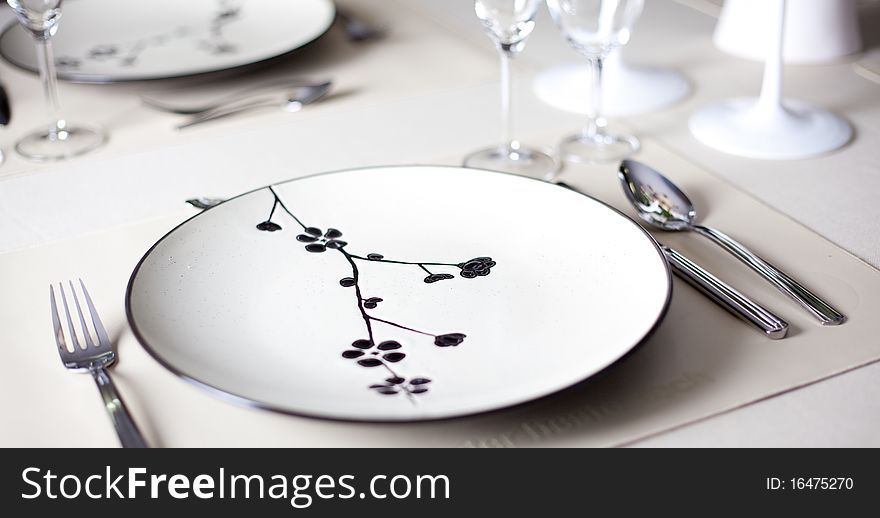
pixel 626 90
pixel 743 127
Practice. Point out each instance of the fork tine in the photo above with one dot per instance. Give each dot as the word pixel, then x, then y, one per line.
pixel 87 334
pixel 103 339
pixel 56 323
pixel 73 339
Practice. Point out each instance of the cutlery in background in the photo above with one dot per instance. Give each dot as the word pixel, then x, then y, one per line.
pixel 95 357
pixel 663 205
pixel 720 292
pixel 292 100
pixel 286 84
pixel 5 115
pixel 5 111
pixel 356 29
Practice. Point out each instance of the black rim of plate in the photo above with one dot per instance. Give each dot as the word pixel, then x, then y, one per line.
pixel 251 403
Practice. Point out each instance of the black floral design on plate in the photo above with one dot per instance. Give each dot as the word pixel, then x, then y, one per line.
pixel 372 302
pixel 103 52
pixel 367 356
pixel 369 352
pixel 397 385
pixel 68 62
pixel 269 226
pixel 434 277
pixel 210 38
pixel 449 339
pixel 478 267
pixel 317 241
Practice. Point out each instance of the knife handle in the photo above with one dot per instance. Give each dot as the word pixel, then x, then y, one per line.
pixel 724 295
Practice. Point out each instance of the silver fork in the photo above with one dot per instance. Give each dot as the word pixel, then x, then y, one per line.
pixel 94 358
pixel 260 90
pixel 292 100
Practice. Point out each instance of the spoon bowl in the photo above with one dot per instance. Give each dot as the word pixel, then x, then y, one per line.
pixel 658 201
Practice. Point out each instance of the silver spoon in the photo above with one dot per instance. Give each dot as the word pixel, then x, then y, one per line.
pixel 663 205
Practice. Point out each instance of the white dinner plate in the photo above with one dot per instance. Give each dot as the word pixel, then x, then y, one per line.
pixel 124 40
pixel 398 293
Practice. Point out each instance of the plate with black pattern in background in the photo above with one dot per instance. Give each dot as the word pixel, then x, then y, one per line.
pixel 398 293
pixel 101 41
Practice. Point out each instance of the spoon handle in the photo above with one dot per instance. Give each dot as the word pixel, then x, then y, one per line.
pixel 725 296
pixel 817 307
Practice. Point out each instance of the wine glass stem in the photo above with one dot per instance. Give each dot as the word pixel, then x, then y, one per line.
pixel 50 85
pixel 507 96
pixel 592 129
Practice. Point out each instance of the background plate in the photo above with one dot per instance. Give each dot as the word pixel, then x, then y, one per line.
pixel 111 40
pixel 572 285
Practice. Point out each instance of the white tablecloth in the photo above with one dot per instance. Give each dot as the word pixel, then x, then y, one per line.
pixel 136 177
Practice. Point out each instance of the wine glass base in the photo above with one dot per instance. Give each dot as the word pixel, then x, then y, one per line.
pixel 626 89
pixel 73 141
pixel 522 161
pixel 600 148
pixel 742 127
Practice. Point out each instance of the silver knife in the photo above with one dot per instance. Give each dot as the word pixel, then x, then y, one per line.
pixel 724 295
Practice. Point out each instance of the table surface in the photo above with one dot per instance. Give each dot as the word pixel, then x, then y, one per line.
pixel 832 195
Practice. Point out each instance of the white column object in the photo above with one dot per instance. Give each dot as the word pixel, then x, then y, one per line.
pixel 816 31
pixel 769 127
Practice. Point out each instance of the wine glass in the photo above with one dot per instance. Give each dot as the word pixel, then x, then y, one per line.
pixel 594 28
pixel 60 139
pixel 509 23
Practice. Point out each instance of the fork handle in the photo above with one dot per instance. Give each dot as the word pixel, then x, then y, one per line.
pixel 128 432
pixel 228 111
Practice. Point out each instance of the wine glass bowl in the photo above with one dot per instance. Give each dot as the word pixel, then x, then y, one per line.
pixel 59 140
pixel 593 28
pixel 507 26
pixel 508 23
pixel 39 17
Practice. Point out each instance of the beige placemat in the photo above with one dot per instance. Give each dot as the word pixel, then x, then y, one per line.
pixel 868 66
pixel 401 65
pixel 700 362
